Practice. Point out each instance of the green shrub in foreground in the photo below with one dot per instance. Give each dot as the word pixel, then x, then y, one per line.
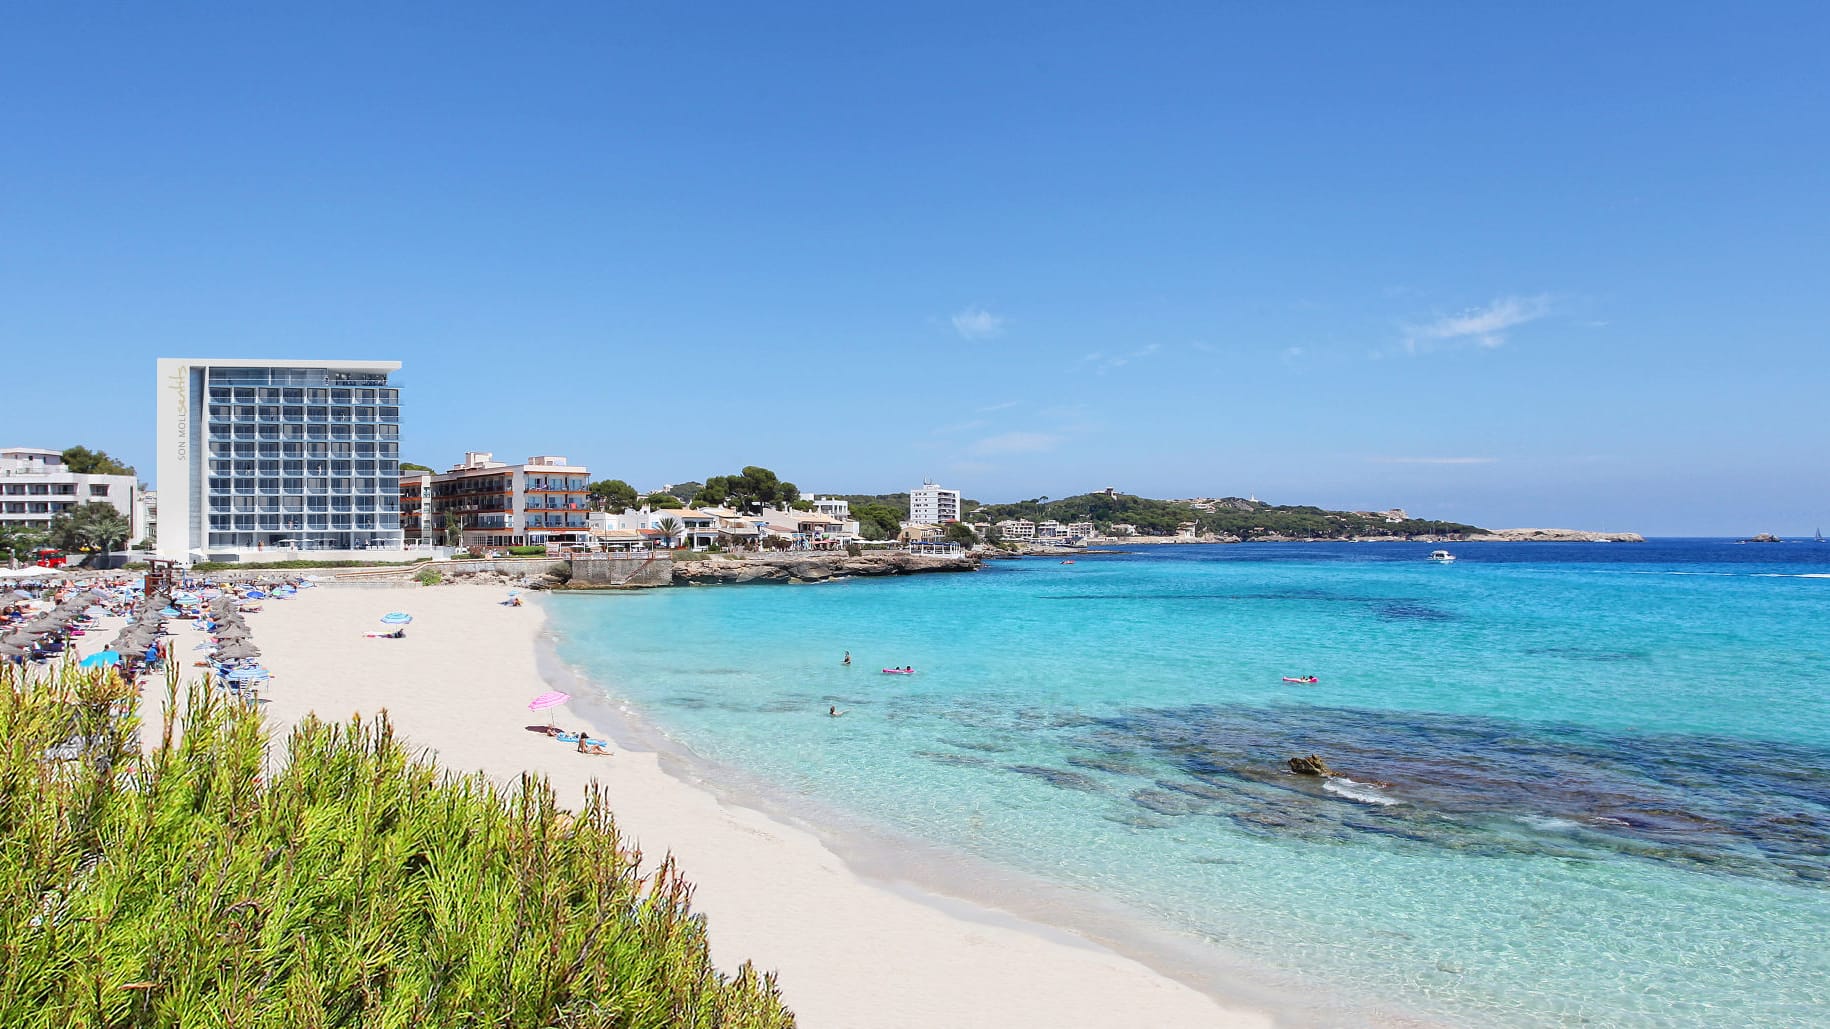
pixel 351 884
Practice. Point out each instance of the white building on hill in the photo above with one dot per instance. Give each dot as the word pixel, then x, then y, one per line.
pixel 933 505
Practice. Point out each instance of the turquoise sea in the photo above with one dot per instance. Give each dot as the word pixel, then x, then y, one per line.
pixel 1585 783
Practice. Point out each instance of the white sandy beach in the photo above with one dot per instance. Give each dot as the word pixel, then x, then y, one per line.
pixel 851 953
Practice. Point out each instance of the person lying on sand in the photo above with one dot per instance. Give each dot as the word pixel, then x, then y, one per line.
pixel 591 746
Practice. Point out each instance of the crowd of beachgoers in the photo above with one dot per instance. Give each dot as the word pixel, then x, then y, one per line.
pixel 49 621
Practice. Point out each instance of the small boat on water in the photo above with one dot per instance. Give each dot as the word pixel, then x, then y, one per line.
pixel 899 671
pixel 1307 680
pixel 1442 557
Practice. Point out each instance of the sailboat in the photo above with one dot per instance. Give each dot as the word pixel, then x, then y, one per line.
pixel 1820 535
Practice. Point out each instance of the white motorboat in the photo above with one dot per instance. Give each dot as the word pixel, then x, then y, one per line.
pixel 1442 557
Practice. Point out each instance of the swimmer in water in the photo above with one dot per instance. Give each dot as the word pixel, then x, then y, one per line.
pixel 834 712
pixel 847 660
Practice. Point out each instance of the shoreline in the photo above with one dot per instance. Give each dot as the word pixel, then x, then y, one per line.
pixel 976 889
pixel 851 950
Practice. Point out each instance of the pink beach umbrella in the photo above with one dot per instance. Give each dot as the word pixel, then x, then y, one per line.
pixel 547 701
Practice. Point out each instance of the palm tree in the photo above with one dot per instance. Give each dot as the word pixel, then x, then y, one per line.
pixel 668 528
pixel 97 525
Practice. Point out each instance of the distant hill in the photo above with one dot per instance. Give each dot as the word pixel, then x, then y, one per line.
pixel 1231 516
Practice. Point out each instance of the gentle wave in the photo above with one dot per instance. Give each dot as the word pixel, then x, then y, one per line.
pixel 1365 793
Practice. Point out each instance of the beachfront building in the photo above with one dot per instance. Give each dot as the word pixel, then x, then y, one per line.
pixel 1078 530
pixel 493 503
pixel 262 456
pixel 932 505
pixel 805 530
pixel 1018 529
pixel 148 517
pixel 416 523
pixel 1049 529
pixel 36 486
pixel 1122 529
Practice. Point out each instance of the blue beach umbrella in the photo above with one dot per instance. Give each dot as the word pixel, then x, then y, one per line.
pixel 396 618
pixel 102 659
pixel 256 595
pixel 249 675
pixel 170 612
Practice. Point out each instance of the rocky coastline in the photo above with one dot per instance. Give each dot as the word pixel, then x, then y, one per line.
pixel 1554 536
pixel 803 567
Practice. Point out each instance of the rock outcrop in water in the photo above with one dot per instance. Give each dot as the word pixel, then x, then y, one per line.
pixel 813 567
pixel 1310 765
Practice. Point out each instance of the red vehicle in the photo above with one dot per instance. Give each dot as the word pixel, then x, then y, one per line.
pixel 50 557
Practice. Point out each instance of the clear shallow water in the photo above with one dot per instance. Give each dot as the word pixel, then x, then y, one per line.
pixel 1586 782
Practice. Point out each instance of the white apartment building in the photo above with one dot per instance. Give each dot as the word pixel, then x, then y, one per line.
pixel 832 507
pixel 1017 529
pixel 36 486
pixel 1049 528
pixel 264 456
pixel 1079 530
pixel 932 505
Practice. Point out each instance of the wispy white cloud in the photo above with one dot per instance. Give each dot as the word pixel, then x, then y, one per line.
pixel 1205 348
pixel 1294 353
pixel 1005 406
pixel 1432 460
pixel 1015 443
pixel 976 323
pixel 1482 326
pixel 1103 362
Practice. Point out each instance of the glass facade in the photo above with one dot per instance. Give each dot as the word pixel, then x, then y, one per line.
pixel 299 458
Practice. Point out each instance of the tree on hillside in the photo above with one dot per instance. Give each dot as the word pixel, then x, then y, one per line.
pixel 408 466
pixel 670 529
pixel 84 461
pixel 17 542
pixel 685 491
pixel 662 502
pixel 752 487
pixel 97 525
pixel 961 533
pixel 877 521
pixel 613 495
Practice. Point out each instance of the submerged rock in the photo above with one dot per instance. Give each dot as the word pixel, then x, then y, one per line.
pixel 1057 777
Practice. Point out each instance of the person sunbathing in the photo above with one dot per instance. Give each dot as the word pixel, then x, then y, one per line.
pixel 586 745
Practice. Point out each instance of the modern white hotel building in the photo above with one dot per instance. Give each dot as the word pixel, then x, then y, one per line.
pixel 932 505
pixel 263 456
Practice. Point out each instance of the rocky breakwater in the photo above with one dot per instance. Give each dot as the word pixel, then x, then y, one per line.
pixel 1554 536
pixel 813 567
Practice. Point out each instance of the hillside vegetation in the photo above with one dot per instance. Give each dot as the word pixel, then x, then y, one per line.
pixel 350 884
pixel 1246 519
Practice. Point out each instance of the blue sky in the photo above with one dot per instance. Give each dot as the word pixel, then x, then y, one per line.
pixel 1510 265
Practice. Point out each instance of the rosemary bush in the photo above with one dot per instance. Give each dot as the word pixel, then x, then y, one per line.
pixel 350 884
